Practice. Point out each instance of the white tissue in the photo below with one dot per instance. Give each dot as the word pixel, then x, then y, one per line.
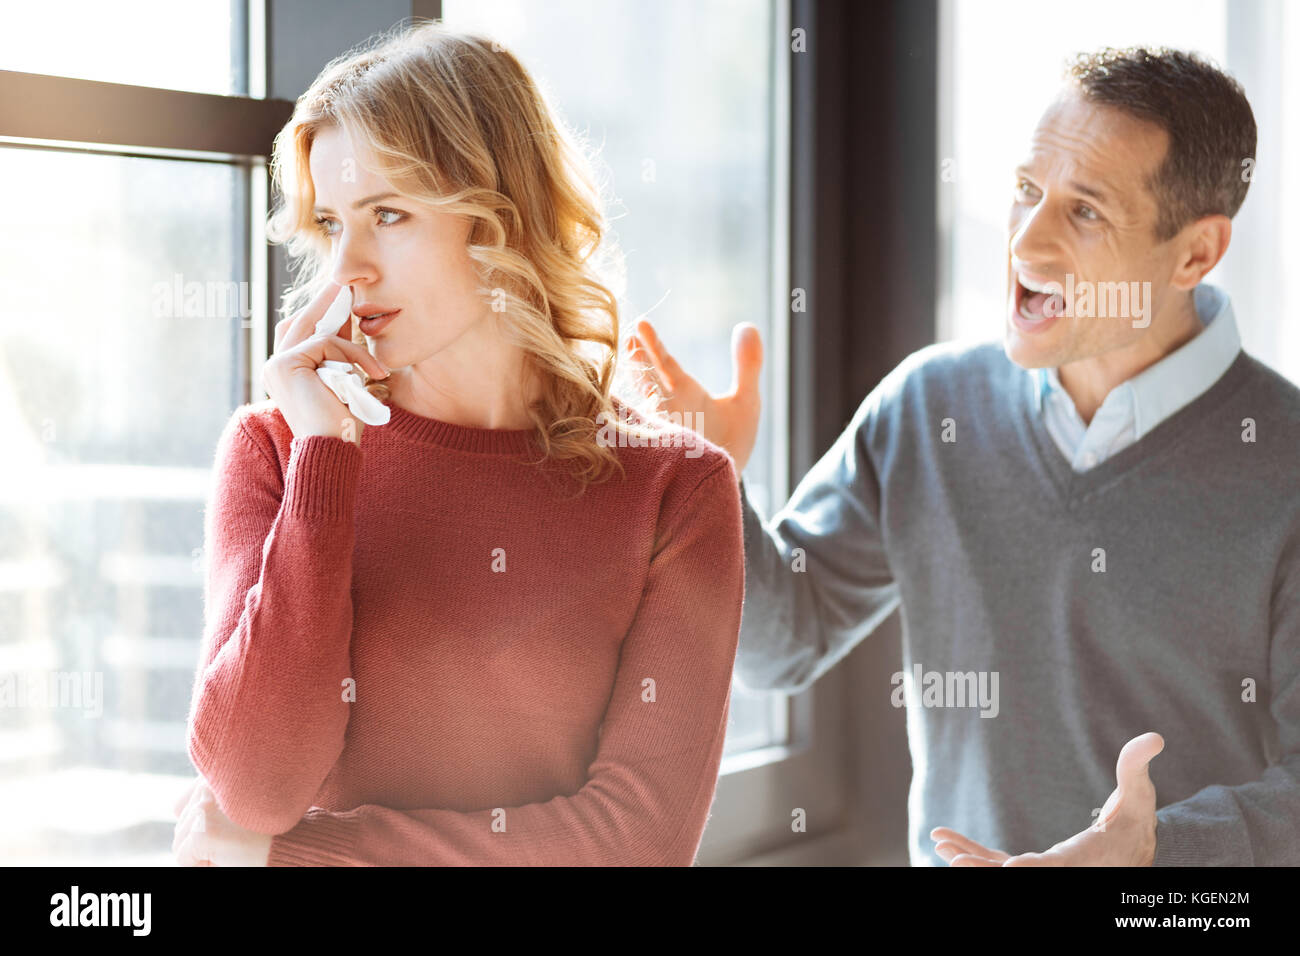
pixel 339 376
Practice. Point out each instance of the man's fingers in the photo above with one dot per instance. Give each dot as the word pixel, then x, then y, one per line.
pixel 746 358
pixel 945 834
pixel 641 357
pixel 670 372
pixel 1035 859
pixel 1132 771
pixel 1136 755
pixel 947 849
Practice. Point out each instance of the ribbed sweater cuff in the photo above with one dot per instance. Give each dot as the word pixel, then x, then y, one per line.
pixel 321 478
pixel 1177 844
pixel 321 838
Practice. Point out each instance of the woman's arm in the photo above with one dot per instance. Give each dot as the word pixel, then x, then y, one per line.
pixel 267 717
pixel 650 787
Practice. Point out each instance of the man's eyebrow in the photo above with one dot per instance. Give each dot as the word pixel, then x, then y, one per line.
pixel 361 202
pixel 1093 192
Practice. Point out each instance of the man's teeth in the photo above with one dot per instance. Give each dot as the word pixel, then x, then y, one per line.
pixel 1032 286
pixel 1026 314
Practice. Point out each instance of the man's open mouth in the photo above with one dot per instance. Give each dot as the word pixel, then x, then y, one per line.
pixel 1037 300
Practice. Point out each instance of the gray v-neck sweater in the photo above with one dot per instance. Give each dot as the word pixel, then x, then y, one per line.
pixel 1051 616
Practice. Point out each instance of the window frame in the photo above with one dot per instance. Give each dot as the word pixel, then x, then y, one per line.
pixel 757 790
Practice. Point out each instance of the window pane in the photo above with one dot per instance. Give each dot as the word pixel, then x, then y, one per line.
pixel 681 116
pixel 114 391
pixel 180 46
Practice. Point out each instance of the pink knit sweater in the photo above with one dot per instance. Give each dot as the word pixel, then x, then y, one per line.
pixel 418 652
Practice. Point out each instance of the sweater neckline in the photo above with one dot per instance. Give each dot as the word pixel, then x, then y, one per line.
pixel 434 431
pixel 1075 487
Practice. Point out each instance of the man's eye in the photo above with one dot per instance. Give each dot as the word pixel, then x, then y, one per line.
pixel 1087 212
pixel 1023 187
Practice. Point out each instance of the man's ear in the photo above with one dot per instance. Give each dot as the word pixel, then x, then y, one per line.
pixel 1202 245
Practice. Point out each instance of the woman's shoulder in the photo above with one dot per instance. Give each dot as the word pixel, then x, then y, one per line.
pixel 665 451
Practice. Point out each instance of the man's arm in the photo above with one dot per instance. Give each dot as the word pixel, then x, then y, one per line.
pixel 817 578
pixel 1255 823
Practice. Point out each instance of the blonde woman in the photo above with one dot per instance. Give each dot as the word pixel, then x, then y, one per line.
pixel 498 629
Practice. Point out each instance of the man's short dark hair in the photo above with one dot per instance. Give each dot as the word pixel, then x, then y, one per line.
pixel 1205 112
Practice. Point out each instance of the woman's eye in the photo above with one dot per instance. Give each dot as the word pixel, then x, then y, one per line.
pixel 324 223
pixel 1023 188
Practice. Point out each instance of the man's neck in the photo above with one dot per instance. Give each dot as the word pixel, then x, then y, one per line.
pixel 1088 381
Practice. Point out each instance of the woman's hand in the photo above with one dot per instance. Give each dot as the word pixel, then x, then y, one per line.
pixel 205 836
pixel 290 379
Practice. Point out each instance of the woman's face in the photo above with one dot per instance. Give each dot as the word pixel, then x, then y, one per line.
pixel 395 254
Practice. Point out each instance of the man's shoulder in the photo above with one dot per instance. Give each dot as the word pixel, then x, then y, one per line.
pixel 970 371
pixel 1275 388
pixel 957 361
pixel 1269 404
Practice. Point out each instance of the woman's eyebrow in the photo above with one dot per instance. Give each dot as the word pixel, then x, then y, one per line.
pixel 361 202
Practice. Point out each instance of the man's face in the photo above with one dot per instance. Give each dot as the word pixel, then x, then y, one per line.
pixel 1081 208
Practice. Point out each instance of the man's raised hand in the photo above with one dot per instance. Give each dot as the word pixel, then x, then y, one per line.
pixel 729 420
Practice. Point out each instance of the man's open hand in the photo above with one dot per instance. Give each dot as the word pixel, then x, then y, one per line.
pixel 1123 835
pixel 730 420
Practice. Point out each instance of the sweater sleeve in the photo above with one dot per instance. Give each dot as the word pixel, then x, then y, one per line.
pixel 267 716
pixel 651 784
pixel 817 577
pixel 1255 823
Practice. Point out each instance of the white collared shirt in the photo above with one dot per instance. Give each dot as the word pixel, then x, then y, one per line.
pixel 1133 408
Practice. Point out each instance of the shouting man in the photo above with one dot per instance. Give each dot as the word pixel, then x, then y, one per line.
pixel 1101 513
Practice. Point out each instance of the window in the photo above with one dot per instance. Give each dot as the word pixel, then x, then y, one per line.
pixel 197 45
pixel 689 183
pixel 139 289
pixel 989 61
pixel 132 303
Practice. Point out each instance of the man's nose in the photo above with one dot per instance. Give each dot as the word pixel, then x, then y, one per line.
pixel 1036 235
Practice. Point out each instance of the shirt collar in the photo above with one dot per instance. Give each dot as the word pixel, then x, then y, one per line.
pixel 1166 386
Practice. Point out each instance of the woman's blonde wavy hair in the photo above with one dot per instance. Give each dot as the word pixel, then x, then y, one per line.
pixel 457 122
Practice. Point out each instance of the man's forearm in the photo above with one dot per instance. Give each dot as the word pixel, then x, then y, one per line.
pixel 789 575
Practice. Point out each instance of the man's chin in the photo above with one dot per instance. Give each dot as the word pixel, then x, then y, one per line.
pixel 1026 351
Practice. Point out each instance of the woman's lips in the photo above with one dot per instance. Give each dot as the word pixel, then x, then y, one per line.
pixel 377 324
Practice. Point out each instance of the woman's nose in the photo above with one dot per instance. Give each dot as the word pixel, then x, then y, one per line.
pixel 353 265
